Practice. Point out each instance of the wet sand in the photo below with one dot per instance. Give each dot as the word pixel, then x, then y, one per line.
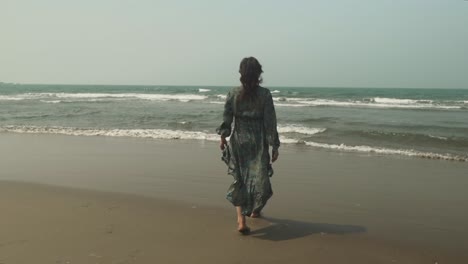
pixel 120 200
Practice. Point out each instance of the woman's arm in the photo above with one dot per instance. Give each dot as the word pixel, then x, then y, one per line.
pixel 224 130
pixel 271 131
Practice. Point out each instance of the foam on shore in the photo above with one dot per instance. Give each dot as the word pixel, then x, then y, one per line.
pixel 199 135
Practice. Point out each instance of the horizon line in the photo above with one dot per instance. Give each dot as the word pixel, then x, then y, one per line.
pixel 202 85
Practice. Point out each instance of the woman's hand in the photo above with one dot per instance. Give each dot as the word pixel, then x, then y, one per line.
pixel 223 143
pixel 274 155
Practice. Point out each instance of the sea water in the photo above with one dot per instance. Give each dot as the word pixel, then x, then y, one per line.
pixel 421 123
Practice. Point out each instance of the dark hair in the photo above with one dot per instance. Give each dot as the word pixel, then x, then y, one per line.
pixel 250 70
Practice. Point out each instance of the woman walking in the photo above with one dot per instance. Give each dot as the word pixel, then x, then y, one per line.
pixel 251 108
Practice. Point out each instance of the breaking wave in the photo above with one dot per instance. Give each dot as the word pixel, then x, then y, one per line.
pixel 371 103
pixel 97 96
pixel 138 133
pixel 204 95
pixel 197 135
pixel 388 151
pixel 293 128
pixel 10 98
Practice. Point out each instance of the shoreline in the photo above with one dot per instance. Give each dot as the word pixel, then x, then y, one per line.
pixel 400 204
pixel 203 137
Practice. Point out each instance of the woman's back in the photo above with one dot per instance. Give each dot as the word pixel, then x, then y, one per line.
pixel 253 120
pixel 251 106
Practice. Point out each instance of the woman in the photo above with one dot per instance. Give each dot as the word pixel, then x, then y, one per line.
pixel 251 108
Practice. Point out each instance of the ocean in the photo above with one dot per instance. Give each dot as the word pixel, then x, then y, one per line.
pixel 417 123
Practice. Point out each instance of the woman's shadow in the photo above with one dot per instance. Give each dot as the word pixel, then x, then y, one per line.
pixel 282 229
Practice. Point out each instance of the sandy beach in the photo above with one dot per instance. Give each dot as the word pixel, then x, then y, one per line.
pixel 66 199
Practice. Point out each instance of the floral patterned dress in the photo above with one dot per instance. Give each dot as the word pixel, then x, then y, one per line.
pixel 251 125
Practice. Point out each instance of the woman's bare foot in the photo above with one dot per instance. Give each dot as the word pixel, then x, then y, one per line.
pixel 242 225
pixel 243 228
pixel 255 215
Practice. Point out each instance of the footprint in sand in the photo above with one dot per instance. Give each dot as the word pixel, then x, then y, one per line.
pixel 109 229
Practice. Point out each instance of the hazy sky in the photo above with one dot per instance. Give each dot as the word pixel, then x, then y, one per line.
pixel 358 43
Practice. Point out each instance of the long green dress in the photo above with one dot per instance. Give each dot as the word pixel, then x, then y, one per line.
pixel 247 153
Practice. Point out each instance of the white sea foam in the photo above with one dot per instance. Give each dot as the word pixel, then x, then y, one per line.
pixel 397 101
pixel 374 103
pixel 139 133
pixel 286 140
pixel 10 98
pixel 293 128
pixel 290 105
pixel 377 102
pixel 287 99
pixel 375 150
pixel 197 135
pixel 387 151
pixel 443 138
pixel 325 102
pixel 51 101
pixel 275 91
pixel 461 102
pixel 101 96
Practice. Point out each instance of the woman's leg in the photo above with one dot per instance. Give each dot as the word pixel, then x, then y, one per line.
pixel 242 225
